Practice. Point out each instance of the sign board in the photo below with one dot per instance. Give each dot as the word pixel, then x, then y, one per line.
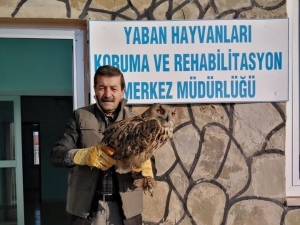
pixel 200 61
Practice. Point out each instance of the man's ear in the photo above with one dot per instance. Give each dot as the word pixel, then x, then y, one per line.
pixel 124 91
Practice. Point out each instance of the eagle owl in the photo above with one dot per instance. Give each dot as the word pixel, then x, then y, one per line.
pixel 134 140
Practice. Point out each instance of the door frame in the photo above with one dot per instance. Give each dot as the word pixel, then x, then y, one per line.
pixel 76 35
pixel 17 163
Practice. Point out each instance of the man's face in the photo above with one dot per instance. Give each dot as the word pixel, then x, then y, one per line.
pixel 109 93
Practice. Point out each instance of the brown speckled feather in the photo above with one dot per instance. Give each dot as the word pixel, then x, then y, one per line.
pixel 130 139
pixel 136 139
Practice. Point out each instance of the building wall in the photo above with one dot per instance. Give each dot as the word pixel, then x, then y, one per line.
pixel 227 161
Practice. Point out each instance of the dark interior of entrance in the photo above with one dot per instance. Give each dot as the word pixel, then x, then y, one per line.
pixel 45 187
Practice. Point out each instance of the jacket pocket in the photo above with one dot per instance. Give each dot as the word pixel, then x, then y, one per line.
pixel 89 124
pixel 90 133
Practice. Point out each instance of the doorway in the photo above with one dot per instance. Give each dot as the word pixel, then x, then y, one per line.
pixel 45 187
pixel 31 172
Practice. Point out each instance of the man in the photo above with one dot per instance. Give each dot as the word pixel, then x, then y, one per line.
pixel 105 195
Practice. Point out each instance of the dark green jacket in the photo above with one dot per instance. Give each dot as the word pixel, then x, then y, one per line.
pixel 84 130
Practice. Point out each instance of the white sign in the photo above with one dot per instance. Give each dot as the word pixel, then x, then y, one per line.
pixel 201 61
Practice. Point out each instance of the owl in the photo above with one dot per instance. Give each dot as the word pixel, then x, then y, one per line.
pixel 134 140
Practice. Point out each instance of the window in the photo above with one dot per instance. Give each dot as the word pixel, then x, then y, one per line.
pixel 292 113
pixel 36 151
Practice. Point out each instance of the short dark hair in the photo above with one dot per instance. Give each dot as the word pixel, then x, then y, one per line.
pixel 110 71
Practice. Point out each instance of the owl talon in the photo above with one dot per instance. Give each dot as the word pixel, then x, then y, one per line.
pixel 151 192
pixel 147 183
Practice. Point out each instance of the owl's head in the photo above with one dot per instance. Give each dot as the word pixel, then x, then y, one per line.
pixel 165 114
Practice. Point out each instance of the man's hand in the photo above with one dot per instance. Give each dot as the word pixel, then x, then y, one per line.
pixel 94 156
pixel 143 177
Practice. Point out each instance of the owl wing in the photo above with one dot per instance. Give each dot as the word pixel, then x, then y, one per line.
pixel 113 131
pixel 133 136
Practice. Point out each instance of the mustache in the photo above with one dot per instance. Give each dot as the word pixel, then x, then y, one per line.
pixel 107 99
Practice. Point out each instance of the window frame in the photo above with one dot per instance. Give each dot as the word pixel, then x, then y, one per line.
pixel 292 109
pixel 76 35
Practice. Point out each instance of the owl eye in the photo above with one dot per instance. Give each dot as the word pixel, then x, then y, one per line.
pixel 160 111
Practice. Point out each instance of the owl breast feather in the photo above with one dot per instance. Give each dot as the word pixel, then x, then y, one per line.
pixel 134 137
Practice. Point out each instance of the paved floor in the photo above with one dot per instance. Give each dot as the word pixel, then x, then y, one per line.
pixel 45 213
pixel 35 212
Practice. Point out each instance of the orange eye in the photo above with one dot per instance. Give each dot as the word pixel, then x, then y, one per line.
pixel 160 111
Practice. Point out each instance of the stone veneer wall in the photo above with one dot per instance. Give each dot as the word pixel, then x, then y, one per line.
pixel 227 161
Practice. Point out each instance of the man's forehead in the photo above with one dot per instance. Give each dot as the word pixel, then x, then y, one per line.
pixel 109 81
pixel 108 85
